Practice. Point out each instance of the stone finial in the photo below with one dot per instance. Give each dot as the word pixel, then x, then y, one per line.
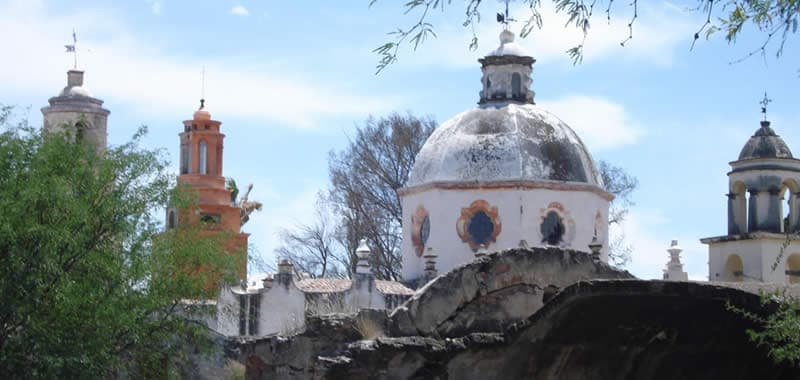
pixel 267 281
pixel 285 266
pixel 482 251
pixel 430 264
pixel 285 273
pixel 595 247
pixel 674 269
pixel 363 252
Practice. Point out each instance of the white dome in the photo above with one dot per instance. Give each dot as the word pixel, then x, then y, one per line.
pixel 511 142
pixel 508 46
pixel 75 91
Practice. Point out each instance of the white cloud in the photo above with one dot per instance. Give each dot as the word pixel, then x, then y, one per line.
pixel 602 124
pixel 647 231
pixel 137 73
pixel 239 10
pixel 656 32
pixel 155 6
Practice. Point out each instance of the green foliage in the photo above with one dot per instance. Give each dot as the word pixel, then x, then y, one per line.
pixel 779 331
pixel 90 284
pixel 771 18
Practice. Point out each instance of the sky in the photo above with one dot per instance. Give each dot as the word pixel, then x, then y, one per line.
pixel 291 81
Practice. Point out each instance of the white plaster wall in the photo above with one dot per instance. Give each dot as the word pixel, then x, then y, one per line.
pixel 362 297
pixel 227 313
pixel 758 257
pixel 282 310
pixel 520 212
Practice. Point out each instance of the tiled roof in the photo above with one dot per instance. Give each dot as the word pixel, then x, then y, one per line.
pixel 335 285
pixel 323 285
pixel 392 287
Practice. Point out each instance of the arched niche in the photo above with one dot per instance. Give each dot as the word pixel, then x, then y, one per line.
pixel 793 268
pixel 734 269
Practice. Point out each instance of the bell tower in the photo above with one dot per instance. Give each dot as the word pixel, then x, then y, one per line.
pixel 201 147
pixel 75 111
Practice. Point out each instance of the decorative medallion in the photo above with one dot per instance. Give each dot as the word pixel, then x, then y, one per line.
pixel 420 229
pixel 556 226
pixel 479 224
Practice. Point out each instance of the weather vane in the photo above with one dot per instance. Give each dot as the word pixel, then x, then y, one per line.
pixel 203 88
pixel 505 19
pixel 764 103
pixel 73 49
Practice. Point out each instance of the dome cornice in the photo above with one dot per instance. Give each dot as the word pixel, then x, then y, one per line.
pixel 507 185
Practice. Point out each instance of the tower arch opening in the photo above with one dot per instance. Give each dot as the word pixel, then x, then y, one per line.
pixel 739 199
pixel 788 205
pixel 516 86
pixel 203 157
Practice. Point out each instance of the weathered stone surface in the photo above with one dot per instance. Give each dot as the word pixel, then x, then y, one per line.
pixel 616 329
pixel 596 329
pixel 296 357
pixel 495 291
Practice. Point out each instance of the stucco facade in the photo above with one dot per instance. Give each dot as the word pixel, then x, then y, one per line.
pixel 505 174
pixel 763 215
pixel 521 211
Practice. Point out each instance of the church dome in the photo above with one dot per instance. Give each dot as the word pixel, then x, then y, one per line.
pixel 765 143
pixel 513 142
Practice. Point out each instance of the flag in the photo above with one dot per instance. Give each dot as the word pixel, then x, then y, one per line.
pixel 70 48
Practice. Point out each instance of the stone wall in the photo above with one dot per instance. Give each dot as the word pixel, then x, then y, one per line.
pixel 538 313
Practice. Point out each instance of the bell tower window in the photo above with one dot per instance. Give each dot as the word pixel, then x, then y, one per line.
pixel 203 157
pixel 516 86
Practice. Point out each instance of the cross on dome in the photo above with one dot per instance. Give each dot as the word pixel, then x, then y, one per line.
pixel 764 103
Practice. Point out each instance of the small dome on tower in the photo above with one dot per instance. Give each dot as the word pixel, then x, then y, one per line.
pixel 75 85
pixel 508 46
pixel 765 143
pixel 202 113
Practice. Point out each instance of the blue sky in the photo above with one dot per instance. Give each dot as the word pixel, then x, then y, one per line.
pixel 290 80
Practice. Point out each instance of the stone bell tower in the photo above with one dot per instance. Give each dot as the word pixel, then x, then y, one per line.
pixel 75 111
pixel 763 214
pixel 201 169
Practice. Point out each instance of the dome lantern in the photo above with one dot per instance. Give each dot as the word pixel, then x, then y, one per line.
pixel 506 74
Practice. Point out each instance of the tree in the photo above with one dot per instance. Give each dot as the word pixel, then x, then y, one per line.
pixel 365 177
pixel 315 249
pixel 90 283
pixel 770 17
pixel 622 185
pixel 363 196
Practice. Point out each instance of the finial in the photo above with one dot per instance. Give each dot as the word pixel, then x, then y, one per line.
pixel 764 103
pixel 73 49
pixel 430 264
pixel 363 252
pixel 595 247
pixel 202 103
pixel 482 251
